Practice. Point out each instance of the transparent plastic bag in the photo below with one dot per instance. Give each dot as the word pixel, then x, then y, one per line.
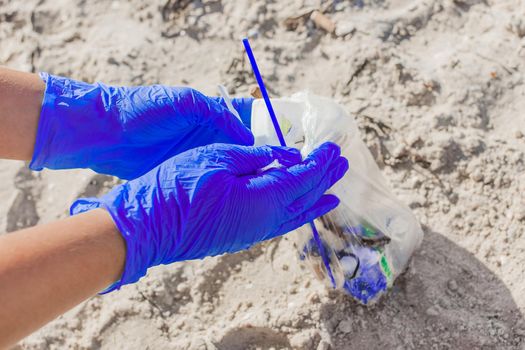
pixel 370 237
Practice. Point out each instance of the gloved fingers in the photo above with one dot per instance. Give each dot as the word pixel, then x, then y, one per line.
pixel 324 153
pixel 219 118
pixel 248 160
pixel 332 175
pixel 191 108
pixel 303 177
pixel 323 205
pixel 243 106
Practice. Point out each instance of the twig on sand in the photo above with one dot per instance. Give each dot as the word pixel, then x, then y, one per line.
pixel 355 74
pixel 152 303
pixel 507 69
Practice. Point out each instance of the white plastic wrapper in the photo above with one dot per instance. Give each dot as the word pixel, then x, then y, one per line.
pixel 370 237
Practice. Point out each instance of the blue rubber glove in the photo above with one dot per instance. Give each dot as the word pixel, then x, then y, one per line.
pixel 217 199
pixel 127 131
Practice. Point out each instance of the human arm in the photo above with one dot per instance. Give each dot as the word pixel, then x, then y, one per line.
pixel 126 131
pixel 20 100
pixel 61 123
pixel 218 199
pixel 48 269
pixel 204 202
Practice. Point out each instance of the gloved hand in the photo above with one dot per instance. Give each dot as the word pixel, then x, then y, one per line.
pixel 127 131
pixel 217 199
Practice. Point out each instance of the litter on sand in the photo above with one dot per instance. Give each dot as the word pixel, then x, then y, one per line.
pixel 370 237
pixel 364 244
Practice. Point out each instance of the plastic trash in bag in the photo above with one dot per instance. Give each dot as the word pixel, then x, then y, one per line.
pixel 370 236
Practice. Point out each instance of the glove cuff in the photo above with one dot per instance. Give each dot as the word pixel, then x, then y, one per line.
pixel 40 154
pixel 136 258
pixel 77 122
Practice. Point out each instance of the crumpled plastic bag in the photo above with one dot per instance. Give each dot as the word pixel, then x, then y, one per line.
pixel 370 237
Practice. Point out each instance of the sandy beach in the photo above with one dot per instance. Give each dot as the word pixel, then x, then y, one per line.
pixel 438 90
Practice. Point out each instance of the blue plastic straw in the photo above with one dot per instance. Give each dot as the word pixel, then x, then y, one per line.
pixel 280 136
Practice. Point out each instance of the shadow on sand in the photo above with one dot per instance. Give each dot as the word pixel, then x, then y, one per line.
pixel 447 300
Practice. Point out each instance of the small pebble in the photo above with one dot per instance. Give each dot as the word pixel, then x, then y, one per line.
pixel 345 326
pixel 477 176
pixel 182 287
pixel 314 298
pixel 432 311
pixel 344 28
pixel 452 285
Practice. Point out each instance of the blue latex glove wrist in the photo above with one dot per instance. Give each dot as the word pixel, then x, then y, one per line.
pixel 216 199
pixel 126 131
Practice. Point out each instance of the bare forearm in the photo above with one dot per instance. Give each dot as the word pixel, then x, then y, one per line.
pixel 46 270
pixel 20 102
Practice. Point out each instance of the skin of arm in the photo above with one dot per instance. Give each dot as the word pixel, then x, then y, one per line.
pixel 20 102
pixel 48 269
